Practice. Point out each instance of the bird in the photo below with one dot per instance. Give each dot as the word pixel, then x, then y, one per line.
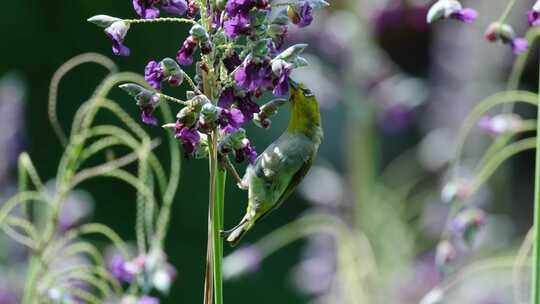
pixel 282 166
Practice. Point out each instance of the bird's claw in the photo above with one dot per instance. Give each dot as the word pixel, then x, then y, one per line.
pixel 242 186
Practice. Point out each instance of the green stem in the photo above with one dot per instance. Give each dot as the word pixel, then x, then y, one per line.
pixel 507 11
pixel 217 227
pixel 161 20
pixel 535 293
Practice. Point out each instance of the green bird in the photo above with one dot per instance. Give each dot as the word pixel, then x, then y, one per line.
pixel 282 166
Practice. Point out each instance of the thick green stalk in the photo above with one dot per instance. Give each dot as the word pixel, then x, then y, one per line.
pixel 535 290
pixel 217 227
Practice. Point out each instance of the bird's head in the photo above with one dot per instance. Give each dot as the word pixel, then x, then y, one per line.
pixel 305 114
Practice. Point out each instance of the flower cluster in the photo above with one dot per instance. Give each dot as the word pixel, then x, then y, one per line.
pixel 498 31
pixel 150 9
pixel 241 58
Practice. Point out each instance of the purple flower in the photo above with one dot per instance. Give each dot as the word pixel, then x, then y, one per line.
pixel 230 120
pixel 236 7
pixel 117 32
pixel 302 14
pixel 246 152
pixel 185 54
pixel 282 83
pixel 227 98
pixel 148 300
pixel 117 267
pixel 189 137
pixel 248 107
pixel 232 61
pixel 533 15
pixel 193 8
pixel 146 8
pixel 467 15
pixel 237 25
pixel 533 18
pixel 153 74
pixel 397 117
pixel 147 100
pixel 254 76
pixel 519 45
pixel 500 124
pixel 175 7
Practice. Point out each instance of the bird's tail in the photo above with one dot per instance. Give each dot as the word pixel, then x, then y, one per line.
pixel 234 235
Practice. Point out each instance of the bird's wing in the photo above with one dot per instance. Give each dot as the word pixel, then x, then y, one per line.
pixel 280 169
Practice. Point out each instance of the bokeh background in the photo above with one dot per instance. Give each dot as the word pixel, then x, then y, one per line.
pixel 391 88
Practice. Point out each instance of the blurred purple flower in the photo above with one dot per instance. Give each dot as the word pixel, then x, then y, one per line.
pixel 500 124
pixel 397 117
pixel 78 206
pixel 175 7
pixel 243 261
pixel 467 15
pixel 12 139
pixel 8 296
pixel 117 267
pixel 281 85
pixel 519 45
pixel 148 300
pixel 533 15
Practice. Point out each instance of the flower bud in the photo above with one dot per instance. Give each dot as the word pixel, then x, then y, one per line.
pixel 220 4
pixel 262 121
pixel 198 101
pixel 499 31
pixel 187 117
pixel 199 33
pixel 275 30
pixel 172 72
pixel 459 189
pixel 209 115
pixel 278 65
pixel 292 52
pixel 142 96
pixel 103 21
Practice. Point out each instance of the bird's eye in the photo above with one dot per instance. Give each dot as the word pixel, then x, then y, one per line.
pixel 307 92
